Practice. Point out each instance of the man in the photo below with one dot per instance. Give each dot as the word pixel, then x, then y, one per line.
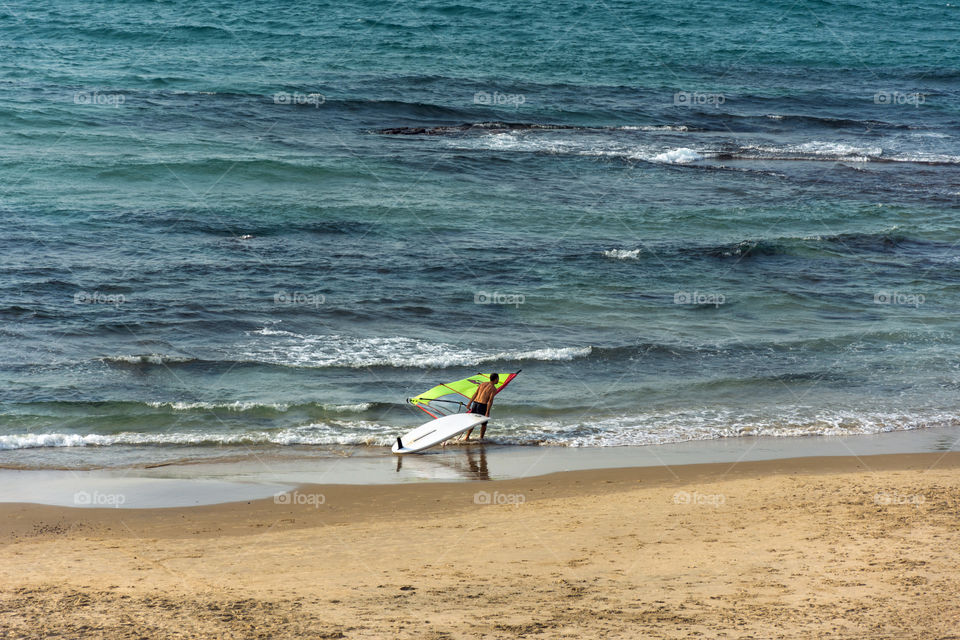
pixel 481 402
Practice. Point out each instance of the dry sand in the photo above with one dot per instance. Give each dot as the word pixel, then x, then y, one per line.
pixel 802 548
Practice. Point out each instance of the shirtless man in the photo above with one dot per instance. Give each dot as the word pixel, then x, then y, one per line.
pixel 481 402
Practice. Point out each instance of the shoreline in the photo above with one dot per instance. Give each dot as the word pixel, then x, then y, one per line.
pixel 262 474
pixel 253 458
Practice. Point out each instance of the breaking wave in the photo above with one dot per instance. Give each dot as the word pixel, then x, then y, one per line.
pixel 321 351
pixel 627 430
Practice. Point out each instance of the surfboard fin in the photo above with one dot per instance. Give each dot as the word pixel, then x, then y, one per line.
pixel 399 444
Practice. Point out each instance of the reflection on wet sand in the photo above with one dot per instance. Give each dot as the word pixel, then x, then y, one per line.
pixel 467 464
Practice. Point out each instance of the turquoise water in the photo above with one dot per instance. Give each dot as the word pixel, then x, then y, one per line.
pixel 241 225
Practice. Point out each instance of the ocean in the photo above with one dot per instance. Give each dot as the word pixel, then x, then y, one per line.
pixel 238 227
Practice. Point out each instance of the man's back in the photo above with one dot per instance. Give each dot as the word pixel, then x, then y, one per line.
pixel 485 393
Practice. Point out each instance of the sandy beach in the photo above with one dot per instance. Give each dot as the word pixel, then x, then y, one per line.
pixel 800 548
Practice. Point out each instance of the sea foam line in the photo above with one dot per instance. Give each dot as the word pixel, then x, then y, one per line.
pixel 623 254
pixel 240 406
pixel 291 349
pixel 628 430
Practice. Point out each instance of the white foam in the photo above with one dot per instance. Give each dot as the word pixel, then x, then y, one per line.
pixel 348 408
pixel 547 353
pixel 625 430
pixel 148 358
pixel 355 352
pixel 230 406
pixel 579 144
pixel 38 440
pixel 35 440
pixel 553 144
pixel 623 254
pixel 354 432
pixel 843 152
pixel 267 331
pixel 682 155
pixel 247 406
pixel 520 142
pixel 663 127
pixel 821 149
pixel 940 158
pixel 685 426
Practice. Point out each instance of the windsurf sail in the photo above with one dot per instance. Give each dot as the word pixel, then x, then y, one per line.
pixel 449 397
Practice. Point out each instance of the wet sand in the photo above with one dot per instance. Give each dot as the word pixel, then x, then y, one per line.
pixel 806 547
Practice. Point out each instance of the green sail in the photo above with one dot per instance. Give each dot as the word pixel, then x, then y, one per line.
pixel 464 388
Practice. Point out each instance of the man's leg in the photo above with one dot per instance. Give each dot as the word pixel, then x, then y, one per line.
pixel 466 436
pixel 483 430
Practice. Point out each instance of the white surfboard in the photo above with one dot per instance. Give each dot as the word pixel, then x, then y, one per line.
pixel 436 431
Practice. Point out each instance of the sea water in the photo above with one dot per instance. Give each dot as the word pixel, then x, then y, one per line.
pixel 230 226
